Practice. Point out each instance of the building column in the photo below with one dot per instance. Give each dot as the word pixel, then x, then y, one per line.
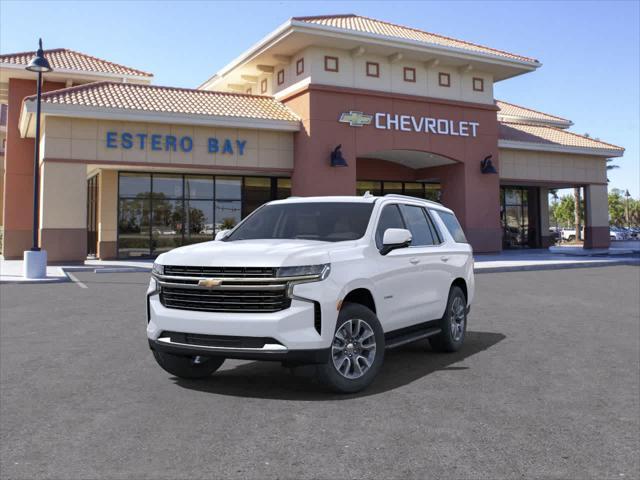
pixel 63 211
pixel 546 239
pixel 475 199
pixel 107 214
pixel 18 173
pixel 596 216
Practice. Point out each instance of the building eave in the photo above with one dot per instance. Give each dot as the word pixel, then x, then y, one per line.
pixel 82 73
pixel 129 115
pixel 532 121
pixel 541 147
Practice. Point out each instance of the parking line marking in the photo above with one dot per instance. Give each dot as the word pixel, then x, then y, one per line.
pixel 75 280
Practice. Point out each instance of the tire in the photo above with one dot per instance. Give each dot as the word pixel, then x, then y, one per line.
pixel 184 367
pixel 571 238
pixel 358 341
pixel 451 338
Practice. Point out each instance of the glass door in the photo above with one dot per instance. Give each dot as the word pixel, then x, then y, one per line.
pixel 92 216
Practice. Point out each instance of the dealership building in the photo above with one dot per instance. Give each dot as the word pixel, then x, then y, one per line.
pixel 331 105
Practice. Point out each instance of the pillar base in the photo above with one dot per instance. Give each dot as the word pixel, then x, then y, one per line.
pixel 597 237
pixel 35 264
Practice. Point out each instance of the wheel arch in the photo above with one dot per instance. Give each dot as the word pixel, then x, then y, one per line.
pixel 362 296
pixel 462 283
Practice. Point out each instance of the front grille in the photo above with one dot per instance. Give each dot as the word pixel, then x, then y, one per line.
pixel 221 300
pixel 220 272
pixel 225 341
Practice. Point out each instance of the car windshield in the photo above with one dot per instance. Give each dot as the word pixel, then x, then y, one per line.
pixel 322 221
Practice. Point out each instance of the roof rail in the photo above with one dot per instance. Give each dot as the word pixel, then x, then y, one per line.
pixel 407 197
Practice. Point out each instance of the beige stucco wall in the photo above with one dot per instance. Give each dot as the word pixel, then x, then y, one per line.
pixel 108 206
pixel 597 211
pixel 352 73
pixel 63 196
pixel 552 167
pixel 81 139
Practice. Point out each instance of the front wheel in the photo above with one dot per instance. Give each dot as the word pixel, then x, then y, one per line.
pixel 453 323
pixel 188 367
pixel 357 350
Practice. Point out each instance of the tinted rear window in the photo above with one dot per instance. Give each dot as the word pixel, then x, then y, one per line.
pixel 322 221
pixel 452 224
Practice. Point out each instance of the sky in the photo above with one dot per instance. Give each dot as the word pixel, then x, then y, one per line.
pixel 590 51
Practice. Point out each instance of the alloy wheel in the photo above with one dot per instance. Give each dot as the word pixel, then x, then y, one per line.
pixel 354 348
pixel 457 319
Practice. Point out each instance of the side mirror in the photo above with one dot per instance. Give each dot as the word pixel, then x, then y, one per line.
pixel 221 235
pixel 395 238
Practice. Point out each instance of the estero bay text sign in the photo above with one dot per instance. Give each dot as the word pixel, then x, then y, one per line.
pixel 171 143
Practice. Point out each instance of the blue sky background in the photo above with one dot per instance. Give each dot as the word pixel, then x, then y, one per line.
pixel 589 50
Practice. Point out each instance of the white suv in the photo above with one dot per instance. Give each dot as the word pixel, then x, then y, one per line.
pixel 331 281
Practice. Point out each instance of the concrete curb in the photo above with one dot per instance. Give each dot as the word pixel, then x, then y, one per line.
pixel 552 266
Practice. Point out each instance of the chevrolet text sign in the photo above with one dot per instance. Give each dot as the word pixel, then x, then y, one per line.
pixel 410 123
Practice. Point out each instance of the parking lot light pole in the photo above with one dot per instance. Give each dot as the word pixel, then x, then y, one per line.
pixel 35 260
pixel 626 208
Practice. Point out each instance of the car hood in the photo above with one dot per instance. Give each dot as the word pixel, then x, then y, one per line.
pixel 253 253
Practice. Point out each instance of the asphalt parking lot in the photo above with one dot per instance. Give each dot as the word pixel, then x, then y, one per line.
pixel 547 386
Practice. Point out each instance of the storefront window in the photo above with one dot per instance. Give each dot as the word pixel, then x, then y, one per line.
pixel 429 191
pixel 257 191
pixel 158 212
pixel 283 188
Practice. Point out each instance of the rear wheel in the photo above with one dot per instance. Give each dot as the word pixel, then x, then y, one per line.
pixel 357 350
pixel 188 367
pixel 453 323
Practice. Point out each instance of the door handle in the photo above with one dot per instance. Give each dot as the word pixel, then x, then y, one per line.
pixel 414 261
pixel 444 258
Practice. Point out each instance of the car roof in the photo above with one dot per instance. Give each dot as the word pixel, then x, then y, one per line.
pixel 366 198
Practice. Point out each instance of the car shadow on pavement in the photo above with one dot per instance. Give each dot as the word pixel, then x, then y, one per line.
pixel 269 380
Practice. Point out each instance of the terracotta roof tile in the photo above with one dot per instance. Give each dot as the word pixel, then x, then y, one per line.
pixel 379 27
pixel 513 110
pixel 517 132
pixel 65 59
pixel 153 98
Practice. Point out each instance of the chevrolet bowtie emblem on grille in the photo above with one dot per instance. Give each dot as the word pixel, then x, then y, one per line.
pixel 209 282
pixel 355 119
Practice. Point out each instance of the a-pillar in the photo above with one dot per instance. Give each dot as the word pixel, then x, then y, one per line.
pixel 107 214
pixel 596 216
pixel 63 211
pixel 546 240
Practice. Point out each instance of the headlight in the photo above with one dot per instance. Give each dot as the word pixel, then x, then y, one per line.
pixel 157 269
pixel 320 272
pixel 154 287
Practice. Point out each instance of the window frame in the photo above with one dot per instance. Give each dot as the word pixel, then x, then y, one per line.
pixel 377 67
pixel 480 82
pixel 441 82
pixel 280 76
pixel 300 66
pixel 327 59
pixel 407 70
pixel 263 85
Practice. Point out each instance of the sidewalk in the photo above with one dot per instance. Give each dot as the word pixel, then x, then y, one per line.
pixel 506 261
pixel 543 259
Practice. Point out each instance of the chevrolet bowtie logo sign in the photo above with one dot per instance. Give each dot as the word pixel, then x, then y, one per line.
pixel 209 282
pixel 356 119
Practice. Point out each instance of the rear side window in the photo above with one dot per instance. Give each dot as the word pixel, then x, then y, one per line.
pixel 389 218
pixel 416 220
pixel 452 224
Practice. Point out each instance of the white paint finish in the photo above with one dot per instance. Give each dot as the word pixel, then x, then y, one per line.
pixel 410 158
pixel 354 264
pixel 35 264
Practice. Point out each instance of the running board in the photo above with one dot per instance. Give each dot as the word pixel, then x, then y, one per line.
pixel 412 337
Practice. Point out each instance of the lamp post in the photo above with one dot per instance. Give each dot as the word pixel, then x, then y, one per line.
pixel 35 260
pixel 626 208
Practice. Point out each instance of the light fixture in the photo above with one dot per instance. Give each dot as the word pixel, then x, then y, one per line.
pixel 337 160
pixel 486 166
pixel 39 62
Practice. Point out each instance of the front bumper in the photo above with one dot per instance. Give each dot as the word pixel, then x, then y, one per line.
pixel 271 352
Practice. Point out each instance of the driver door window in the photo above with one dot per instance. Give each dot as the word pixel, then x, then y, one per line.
pixel 389 218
